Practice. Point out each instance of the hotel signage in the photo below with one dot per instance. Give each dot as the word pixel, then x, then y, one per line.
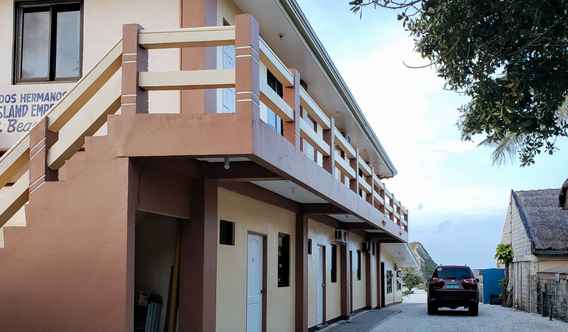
pixel 20 109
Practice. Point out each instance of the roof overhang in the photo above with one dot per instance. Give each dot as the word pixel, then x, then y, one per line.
pixel 401 253
pixel 286 29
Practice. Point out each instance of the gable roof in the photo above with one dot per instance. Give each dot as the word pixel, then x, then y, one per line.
pixel 545 222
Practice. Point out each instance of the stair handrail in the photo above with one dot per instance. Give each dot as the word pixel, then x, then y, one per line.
pixel 70 104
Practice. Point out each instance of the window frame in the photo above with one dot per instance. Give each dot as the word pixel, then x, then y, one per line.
pixel 53 7
pixel 359 265
pixel 333 263
pixel 232 230
pixel 286 281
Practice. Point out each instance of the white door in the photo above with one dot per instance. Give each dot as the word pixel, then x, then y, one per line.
pixel 320 283
pixel 254 283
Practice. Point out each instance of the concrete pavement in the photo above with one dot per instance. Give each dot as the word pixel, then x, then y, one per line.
pixel 411 316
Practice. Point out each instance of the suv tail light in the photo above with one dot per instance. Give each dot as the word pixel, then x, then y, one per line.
pixel 437 283
pixel 469 283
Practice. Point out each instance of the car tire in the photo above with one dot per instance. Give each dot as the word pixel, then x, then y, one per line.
pixel 474 310
pixel 432 309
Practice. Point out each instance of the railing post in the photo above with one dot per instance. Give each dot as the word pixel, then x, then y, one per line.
pixel 41 139
pixel 134 60
pixel 329 137
pixel 247 85
pixel 292 97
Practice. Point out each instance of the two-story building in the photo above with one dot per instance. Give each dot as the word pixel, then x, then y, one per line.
pixel 186 165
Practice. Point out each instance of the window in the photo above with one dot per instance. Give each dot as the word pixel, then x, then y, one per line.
pixel 283 260
pixel 227 233
pixel 358 264
pixel 48 41
pixel 453 272
pixel 389 281
pixel 274 83
pixel 333 263
pixel 226 60
pixel 309 246
pixel 308 149
pixel 266 114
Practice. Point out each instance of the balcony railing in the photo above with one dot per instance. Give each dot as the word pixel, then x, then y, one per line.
pixel 84 110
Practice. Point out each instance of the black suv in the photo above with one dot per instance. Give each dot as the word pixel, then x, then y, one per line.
pixel 453 286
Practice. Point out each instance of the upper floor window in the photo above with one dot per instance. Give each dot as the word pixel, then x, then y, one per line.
pixel 48 41
pixel 266 114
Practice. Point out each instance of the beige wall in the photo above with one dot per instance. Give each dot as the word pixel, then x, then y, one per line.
pixel 102 28
pixel 253 216
pixel 323 235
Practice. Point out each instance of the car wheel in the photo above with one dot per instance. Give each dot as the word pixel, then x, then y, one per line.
pixel 474 310
pixel 432 309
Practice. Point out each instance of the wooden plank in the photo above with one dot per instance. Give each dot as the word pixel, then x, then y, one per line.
pixel 187 80
pixel 310 105
pixel 188 37
pixel 82 92
pixel 310 135
pixel 85 123
pixel 13 198
pixel 276 66
pixel 276 103
pixel 14 160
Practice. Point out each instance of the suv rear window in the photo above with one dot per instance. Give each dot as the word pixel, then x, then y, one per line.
pixel 452 272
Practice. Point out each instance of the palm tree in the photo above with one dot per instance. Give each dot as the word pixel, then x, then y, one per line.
pixel 507 148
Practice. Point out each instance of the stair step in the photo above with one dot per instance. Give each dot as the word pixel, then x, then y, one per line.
pixel 18 220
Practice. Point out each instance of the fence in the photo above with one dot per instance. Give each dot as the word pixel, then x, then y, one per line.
pixel 551 294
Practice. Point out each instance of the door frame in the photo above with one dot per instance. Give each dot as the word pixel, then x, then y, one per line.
pixel 264 276
pixel 323 262
pixel 350 281
pixel 383 285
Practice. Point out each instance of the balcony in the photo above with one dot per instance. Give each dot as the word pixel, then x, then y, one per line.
pixel 250 149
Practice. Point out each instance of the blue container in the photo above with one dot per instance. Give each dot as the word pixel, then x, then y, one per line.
pixel 492 285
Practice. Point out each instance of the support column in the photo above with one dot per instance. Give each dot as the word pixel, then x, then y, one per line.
pixel 345 281
pixel 134 60
pixel 198 13
pixel 292 97
pixel 41 139
pixel 199 259
pixel 379 281
pixel 247 85
pixel 301 273
pixel 329 138
pixel 368 277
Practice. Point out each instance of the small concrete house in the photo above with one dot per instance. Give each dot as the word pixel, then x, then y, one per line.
pixel 536 226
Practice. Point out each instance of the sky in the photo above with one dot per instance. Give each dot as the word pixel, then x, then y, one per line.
pixel 457 198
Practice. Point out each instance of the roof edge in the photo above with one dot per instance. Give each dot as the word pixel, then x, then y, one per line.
pixel 524 219
pixel 300 21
